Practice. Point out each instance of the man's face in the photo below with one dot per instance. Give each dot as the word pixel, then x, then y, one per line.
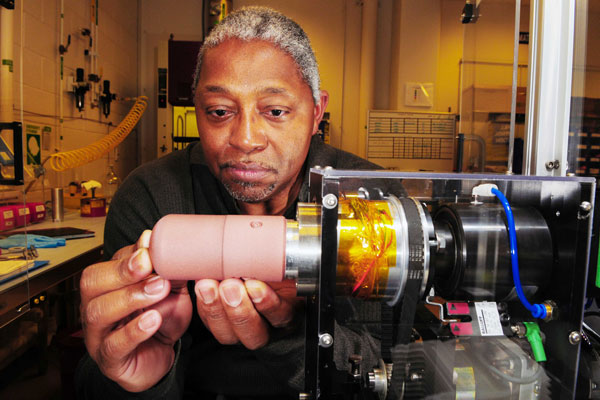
pixel 255 118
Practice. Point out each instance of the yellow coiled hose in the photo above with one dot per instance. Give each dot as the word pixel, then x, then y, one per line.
pixel 75 158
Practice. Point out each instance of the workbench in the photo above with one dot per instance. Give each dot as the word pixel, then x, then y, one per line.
pixel 63 263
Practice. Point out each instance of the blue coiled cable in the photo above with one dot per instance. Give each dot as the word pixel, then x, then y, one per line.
pixel 537 310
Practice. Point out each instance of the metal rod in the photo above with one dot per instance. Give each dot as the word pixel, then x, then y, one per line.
pixel 513 101
pixel 531 101
pixel 478 62
pixel 460 150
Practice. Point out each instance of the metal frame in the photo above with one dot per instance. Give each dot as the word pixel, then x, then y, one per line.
pixel 319 366
pixel 567 218
pixel 15 300
pixel 552 27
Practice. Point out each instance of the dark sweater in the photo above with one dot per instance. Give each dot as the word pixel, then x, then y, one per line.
pixel 180 183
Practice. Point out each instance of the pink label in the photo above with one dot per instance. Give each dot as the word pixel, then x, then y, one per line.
pixel 457 308
pixel 461 328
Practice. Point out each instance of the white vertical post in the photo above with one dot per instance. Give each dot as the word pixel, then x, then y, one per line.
pixel 513 98
pixel 552 29
pixel 367 70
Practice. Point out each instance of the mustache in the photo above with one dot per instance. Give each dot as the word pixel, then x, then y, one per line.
pixel 247 164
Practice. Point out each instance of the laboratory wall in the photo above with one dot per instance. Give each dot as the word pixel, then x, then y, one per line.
pixel 36 86
pixel 181 20
pixel 415 41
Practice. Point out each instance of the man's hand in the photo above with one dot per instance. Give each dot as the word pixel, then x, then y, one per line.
pixel 243 311
pixel 132 318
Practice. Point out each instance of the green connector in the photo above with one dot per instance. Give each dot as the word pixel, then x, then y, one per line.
pixel 598 268
pixel 535 340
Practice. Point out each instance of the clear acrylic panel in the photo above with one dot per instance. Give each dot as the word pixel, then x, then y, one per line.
pixel 430 278
pixel 486 84
pixel 584 127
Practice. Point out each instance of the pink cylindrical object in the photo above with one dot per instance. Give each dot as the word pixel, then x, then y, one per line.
pixel 192 247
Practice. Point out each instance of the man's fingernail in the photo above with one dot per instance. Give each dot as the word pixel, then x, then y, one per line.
pixel 144 240
pixel 256 292
pixel 148 321
pixel 135 263
pixel 154 285
pixel 207 294
pixel 232 295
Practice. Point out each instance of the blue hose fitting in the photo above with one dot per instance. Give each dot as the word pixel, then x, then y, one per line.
pixel 537 310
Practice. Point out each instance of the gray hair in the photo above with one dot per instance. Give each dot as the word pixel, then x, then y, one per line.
pixel 262 23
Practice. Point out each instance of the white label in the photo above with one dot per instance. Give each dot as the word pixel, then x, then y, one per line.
pixel 488 318
pixel 8 214
pixel 419 94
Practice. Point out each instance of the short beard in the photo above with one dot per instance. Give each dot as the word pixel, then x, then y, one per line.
pixel 246 194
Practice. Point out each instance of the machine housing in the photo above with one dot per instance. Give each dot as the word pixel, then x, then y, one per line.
pixel 453 327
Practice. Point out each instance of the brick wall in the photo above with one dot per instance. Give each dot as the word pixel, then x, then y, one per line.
pixel 117 62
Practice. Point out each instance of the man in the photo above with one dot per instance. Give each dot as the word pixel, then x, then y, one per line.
pixel 258 107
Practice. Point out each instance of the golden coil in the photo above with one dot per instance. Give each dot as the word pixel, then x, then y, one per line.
pixel 366 246
pixel 74 158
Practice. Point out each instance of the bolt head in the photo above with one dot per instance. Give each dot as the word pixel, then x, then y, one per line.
pixel 414 377
pixel 325 340
pixel 518 329
pixel 585 206
pixel 330 201
pixel 371 379
pixel 574 337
